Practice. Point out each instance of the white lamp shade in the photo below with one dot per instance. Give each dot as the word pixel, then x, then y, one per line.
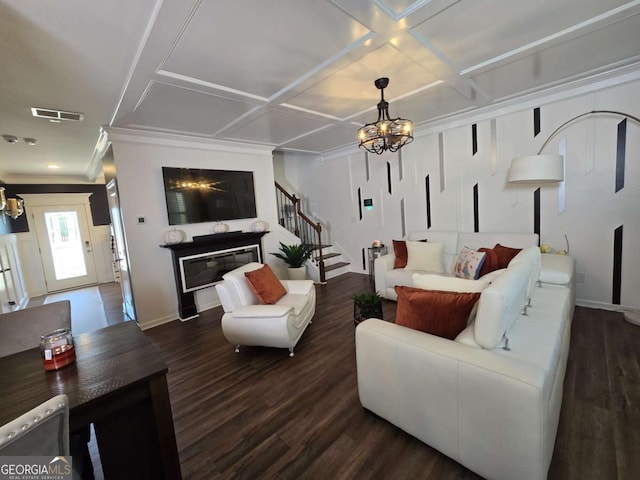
pixel 536 169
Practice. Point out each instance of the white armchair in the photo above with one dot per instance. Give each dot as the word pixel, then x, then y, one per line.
pixel 247 322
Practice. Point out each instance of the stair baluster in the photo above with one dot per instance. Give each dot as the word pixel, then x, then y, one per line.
pixel 291 217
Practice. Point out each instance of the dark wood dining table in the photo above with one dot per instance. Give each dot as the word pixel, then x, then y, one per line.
pixel 118 384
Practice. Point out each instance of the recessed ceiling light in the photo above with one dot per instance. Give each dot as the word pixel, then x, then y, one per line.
pixel 54 121
pixel 29 141
pixel 53 166
pixel 10 138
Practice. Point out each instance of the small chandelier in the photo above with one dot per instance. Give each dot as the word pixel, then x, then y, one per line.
pixel 385 133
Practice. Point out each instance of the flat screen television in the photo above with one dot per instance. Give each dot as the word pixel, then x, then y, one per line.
pixel 198 195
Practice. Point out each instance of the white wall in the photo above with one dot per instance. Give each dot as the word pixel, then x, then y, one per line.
pixel 139 161
pixel 12 290
pixel 592 210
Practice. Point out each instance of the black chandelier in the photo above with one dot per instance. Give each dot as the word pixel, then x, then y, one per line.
pixel 385 133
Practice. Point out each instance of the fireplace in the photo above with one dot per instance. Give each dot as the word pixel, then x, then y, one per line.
pixel 206 269
pixel 202 263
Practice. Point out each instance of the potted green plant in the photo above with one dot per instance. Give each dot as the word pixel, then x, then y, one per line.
pixel 366 305
pixel 295 256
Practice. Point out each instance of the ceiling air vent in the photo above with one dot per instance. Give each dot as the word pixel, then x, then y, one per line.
pixel 56 114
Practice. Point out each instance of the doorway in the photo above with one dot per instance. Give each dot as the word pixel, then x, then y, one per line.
pixel 61 225
pixel 65 247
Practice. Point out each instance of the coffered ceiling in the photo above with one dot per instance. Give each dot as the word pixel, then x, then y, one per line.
pixel 292 74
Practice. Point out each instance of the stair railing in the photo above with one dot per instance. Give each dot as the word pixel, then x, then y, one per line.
pixel 291 217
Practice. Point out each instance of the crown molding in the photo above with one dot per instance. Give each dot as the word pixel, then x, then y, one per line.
pixel 184 141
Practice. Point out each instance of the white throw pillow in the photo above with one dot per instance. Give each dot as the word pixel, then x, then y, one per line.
pixel 429 281
pixel 469 263
pixel 425 256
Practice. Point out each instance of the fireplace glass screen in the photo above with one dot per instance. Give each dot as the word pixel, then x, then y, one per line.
pixel 206 269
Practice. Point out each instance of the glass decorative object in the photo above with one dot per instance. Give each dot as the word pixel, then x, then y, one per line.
pixel 57 349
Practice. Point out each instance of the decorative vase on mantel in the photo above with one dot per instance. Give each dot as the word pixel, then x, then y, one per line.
pixel 173 236
pixel 220 227
pixel 259 226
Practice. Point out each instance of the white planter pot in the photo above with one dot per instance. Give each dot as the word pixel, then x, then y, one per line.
pixel 299 273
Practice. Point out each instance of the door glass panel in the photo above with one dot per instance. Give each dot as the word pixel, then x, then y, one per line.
pixel 66 245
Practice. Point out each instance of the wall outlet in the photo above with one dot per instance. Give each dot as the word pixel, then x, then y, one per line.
pixel 579 277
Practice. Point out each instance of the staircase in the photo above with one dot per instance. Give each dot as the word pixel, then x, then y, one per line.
pixel 333 261
pixel 328 260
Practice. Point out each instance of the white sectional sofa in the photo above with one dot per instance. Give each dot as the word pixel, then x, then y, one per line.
pixel 386 277
pixel 490 399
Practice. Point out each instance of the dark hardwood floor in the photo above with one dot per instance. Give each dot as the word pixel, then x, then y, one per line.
pixel 261 414
pixel 111 294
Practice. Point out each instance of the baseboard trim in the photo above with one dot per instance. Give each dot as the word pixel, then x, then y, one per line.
pixel 605 306
pixel 156 322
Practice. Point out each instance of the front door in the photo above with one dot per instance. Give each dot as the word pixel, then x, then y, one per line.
pixel 65 246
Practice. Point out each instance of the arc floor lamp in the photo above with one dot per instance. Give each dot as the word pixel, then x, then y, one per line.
pixel 544 168
pixel 541 168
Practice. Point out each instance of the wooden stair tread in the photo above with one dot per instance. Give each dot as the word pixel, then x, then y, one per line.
pixel 328 255
pixel 328 268
pixel 321 246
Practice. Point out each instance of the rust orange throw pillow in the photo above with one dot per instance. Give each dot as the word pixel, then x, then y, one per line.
pixel 265 285
pixel 505 254
pixel 437 312
pixel 400 251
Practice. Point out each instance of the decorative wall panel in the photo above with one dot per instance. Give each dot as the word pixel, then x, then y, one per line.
pixel 536 121
pixel 620 154
pixel 469 163
pixel 474 139
pixel 403 221
pixel 427 191
pixel 441 159
pixel 617 265
pixel 476 208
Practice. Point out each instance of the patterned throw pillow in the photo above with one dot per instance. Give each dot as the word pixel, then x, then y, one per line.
pixel 469 263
